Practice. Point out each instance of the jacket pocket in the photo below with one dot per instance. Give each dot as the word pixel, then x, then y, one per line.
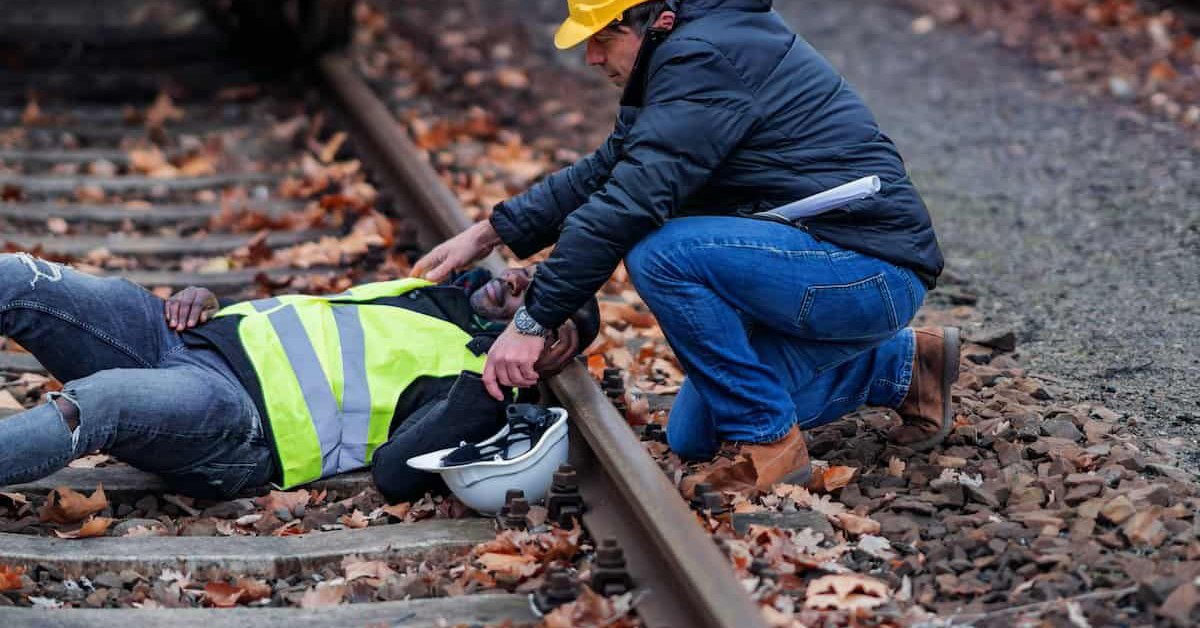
pixel 862 310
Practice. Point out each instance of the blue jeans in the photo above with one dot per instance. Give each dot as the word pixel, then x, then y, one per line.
pixel 142 394
pixel 773 327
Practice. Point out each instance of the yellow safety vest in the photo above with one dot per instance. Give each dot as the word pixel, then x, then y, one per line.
pixel 331 369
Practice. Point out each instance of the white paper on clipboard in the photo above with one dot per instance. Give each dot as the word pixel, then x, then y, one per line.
pixel 822 202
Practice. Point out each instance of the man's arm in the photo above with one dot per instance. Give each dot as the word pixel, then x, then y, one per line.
pixel 697 111
pixel 530 221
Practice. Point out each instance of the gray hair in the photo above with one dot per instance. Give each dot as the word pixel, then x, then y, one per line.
pixel 640 18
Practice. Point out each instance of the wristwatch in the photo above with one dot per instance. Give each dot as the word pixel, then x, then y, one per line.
pixel 525 324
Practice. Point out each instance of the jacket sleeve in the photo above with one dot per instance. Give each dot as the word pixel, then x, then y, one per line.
pixel 530 221
pixel 697 110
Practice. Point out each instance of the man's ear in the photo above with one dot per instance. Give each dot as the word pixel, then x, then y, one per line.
pixel 665 21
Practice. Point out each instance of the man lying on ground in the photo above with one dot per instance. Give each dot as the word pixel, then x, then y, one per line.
pixel 284 390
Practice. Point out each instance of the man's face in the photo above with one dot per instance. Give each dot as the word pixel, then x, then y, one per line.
pixel 499 298
pixel 615 51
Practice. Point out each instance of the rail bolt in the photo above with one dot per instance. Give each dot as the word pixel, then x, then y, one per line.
pixel 516 517
pixel 509 496
pixel 559 588
pixel 714 503
pixel 698 494
pixel 609 575
pixel 564 502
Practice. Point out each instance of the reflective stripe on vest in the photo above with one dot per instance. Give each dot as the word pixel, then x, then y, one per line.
pixel 348 365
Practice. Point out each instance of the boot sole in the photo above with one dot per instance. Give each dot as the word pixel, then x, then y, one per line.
pixel 951 348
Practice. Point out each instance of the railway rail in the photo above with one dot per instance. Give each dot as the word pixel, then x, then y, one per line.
pixel 74 192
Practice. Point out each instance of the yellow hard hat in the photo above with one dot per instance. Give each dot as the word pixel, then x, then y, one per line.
pixel 588 17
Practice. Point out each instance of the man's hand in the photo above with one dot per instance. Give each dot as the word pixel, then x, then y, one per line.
pixel 510 362
pixel 458 252
pixel 190 307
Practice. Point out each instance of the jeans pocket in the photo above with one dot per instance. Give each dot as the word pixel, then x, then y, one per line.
pixel 857 311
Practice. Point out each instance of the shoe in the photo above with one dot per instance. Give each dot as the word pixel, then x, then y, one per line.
pixel 743 467
pixel 927 410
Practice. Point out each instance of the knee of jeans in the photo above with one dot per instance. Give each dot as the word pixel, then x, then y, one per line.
pixel 647 261
pixel 91 397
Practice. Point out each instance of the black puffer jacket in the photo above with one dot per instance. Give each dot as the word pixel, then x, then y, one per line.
pixel 737 115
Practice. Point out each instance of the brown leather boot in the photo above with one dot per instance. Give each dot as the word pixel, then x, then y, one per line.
pixel 759 466
pixel 926 410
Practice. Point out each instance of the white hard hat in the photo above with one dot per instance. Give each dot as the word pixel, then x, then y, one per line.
pixel 523 455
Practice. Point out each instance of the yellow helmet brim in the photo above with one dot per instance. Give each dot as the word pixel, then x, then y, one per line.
pixel 572 33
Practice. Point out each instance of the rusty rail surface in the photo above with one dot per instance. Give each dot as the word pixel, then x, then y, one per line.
pixel 685 579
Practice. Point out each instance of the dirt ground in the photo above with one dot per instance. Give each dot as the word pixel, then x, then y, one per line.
pixel 1072 221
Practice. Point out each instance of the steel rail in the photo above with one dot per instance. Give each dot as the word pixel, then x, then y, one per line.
pixel 683 577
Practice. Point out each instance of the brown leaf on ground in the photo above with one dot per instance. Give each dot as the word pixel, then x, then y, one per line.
pixel 855 524
pixel 96 526
pixel 329 149
pixel 151 162
pixel 591 609
pixel 355 520
pixel 161 111
pixel 512 565
pixel 833 478
pixel 291 528
pixel 64 505
pixel 222 594
pixel 256 251
pixel 619 311
pixel 323 595
pixel 253 589
pixel 397 511
pixel 845 592
pixel 10 577
pixel 89 194
pixel 355 567
pixel 288 500
pixel 146 531
pixel 736 476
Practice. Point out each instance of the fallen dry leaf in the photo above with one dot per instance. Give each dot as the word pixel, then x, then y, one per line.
pixel 834 477
pixel 96 526
pixel 330 149
pixel 398 511
pixel 514 565
pixel 253 589
pixel 222 594
pixel 355 567
pixel 288 500
pixel 355 520
pixel 64 505
pixel 10 577
pixel 323 595
pixel 845 592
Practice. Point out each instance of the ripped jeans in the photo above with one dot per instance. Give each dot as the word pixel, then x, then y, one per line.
pixel 142 395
